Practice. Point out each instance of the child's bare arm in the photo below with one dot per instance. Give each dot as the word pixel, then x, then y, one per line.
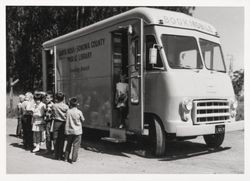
pixel 82 117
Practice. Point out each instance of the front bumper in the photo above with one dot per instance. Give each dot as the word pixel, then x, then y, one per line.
pixel 197 130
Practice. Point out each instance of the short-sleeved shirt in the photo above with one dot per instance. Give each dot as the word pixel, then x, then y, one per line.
pixel 19 110
pixel 27 107
pixel 74 120
pixel 59 111
pixel 122 93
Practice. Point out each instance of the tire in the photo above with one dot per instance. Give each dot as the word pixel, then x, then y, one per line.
pixel 214 140
pixel 157 138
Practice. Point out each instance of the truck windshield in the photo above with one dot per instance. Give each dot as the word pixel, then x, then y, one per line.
pixel 182 52
pixel 212 55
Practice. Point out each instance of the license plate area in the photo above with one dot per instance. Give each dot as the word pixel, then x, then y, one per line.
pixel 219 129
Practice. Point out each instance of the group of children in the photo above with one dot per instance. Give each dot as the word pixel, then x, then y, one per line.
pixel 40 120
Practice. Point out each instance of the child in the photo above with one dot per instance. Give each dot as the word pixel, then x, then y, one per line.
pixel 27 111
pixel 48 120
pixel 38 122
pixel 73 130
pixel 19 116
pixel 121 99
pixel 59 110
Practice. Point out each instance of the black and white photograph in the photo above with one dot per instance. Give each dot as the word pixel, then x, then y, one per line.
pixel 145 88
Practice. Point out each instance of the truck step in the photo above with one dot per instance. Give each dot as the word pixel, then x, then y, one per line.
pixel 113 140
pixel 116 135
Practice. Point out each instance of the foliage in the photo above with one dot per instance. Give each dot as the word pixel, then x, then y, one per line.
pixel 28 27
pixel 238 82
pixel 240 108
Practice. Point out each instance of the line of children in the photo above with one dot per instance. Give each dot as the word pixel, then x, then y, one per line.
pixel 40 115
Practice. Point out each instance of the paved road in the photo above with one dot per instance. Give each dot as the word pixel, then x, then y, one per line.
pixel 104 157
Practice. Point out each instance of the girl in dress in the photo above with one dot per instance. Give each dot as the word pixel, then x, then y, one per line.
pixel 38 126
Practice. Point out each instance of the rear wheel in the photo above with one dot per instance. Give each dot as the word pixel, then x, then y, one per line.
pixel 214 140
pixel 157 138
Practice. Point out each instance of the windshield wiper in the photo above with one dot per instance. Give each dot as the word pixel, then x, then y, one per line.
pixel 183 67
pixel 223 71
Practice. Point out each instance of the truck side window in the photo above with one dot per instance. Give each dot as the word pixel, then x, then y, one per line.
pixel 150 41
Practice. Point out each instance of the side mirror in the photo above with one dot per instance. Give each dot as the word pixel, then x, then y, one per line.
pixel 51 51
pixel 153 55
pixel 130 29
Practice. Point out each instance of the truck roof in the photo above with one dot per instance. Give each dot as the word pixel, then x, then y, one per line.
pixel 151 16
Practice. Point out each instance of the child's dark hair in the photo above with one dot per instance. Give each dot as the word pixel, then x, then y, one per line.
pixel 38 97
pixel 73 102
pixel 59 96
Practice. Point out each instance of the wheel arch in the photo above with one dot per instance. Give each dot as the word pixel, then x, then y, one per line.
pixel 150 116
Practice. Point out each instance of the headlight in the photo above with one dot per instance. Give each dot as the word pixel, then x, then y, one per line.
pixel 187 104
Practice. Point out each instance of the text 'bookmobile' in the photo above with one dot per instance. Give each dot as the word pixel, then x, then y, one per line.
pixel 178 85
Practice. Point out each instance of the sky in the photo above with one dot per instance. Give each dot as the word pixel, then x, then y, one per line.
pixel 229 22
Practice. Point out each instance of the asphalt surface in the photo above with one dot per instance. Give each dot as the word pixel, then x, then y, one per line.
pixel 98 156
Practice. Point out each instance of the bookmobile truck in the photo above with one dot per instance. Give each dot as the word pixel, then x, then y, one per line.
pixel 178 85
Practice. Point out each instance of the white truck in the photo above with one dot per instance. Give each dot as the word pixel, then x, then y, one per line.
pixel 178 85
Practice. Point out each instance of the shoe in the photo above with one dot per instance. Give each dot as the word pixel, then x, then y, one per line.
pixel 36 149
pixel 121 126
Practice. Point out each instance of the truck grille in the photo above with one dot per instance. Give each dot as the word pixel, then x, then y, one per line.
pixel 210 111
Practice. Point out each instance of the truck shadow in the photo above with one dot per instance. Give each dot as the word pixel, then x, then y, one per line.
pixel 175 150
pixel 188 149
pixel 101 146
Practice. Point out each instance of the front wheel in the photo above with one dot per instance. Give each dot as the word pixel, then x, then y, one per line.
pixel 214 140
pixel 157 138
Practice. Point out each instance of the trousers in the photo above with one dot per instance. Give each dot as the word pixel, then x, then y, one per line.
pixel 27 131
pixel 58 138
pixel 75 142
pixel 19 127
pixel 49 136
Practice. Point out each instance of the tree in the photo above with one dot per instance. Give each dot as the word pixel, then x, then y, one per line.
pixel 28 27
pixel 238 82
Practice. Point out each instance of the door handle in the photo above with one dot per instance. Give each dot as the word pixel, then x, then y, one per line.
pixel 135 76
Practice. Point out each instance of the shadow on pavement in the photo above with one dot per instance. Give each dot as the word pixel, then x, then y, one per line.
pixel 17 145
pixel 13 135
pixel 101 146
pixel 175 150
pixel 187 149
pixel 45 154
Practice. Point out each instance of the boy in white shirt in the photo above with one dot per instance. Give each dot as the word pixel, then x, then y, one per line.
pixel 73 130
pixel 121 99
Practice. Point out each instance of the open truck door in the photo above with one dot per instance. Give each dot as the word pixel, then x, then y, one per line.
pixel 48 58
pixel 127 53
pixel 136 79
